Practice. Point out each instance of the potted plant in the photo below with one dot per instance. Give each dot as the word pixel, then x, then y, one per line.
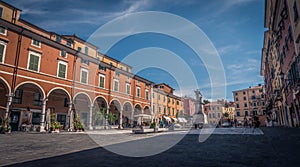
pixel 78 127
pixel 55 126
pixel 110 118
pixel 5 125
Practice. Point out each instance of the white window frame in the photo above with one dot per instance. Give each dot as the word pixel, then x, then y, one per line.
pixel 38 46
pixel 66 73
pixel 87 76
pixel 60 51
pixel 4 51
pixel 116 80
pixel 101 75
pixel 86 50
pixel 146 91
pixel 127 84
pixel 5 31
pixel 138 95
pixel 28 61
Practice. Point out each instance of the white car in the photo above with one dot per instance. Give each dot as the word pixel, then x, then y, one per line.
pixel 177 126
pixel 225 124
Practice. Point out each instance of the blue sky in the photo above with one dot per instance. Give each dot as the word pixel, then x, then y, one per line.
pixel 235 27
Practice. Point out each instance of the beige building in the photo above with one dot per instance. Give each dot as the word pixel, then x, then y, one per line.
pixel 213 110
pixel 280 61
pixel 250 102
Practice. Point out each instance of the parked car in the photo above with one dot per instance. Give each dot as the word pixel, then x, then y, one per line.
pixel 177 126
pixel 225 124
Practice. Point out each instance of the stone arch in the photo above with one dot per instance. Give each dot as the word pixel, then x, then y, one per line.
pixel 30 82
pixel 137 109
pixel 78 93
pixel 4 91
pixel 147 110
pixel 5 83
pixel 101 97
pixel 127 114
pixel 127 103
pixel 100 107
pixel 28 105
pixel 115 99
pixel 57 106
pixel 59 88
pixel 115 109
pixel 82 105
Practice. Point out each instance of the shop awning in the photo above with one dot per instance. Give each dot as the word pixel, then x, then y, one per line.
pixel 183 120
pixel 167 118
pixel 175 120
pixel 143 116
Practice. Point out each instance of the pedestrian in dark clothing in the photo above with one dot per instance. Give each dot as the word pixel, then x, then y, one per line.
pixel 235 122
pixel 245 122
pixel 228 121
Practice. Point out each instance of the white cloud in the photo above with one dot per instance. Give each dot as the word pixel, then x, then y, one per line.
pixel 228 4
pixel 250 65
pixel 92 16
pixel 253 52
pixel 228 49
pixel 33 11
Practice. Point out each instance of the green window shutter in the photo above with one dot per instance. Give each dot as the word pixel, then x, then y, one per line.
pixel 101 82
pixel 2 30
pixel 128 89
pixel 116 86
pixel 33 62
pixel 30 62
pixel 1 52
pixel 36 63
pixel 62 71
pixel 84 77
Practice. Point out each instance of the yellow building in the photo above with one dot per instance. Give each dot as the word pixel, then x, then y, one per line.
pixel 82 46
pixel 159 103
pixel 228 111
pixel 9 12
pixel 165 103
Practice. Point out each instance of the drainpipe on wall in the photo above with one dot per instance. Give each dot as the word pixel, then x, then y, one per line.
pixel 151 101
pixel 15 73
pixel 70 113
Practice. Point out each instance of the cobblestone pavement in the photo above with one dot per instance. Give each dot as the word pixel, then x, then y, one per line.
pixel 273 147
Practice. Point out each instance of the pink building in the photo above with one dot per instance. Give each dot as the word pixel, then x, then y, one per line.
pixel 189 106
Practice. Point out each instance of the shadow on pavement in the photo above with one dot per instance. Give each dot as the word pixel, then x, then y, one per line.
pixel 275 148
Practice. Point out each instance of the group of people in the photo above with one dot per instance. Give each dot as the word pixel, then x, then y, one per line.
pixel 164 123
pixel 248 123
pixel 251 122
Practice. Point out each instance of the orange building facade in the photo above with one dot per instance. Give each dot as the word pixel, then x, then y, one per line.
pixel 165 104
pixel 44 74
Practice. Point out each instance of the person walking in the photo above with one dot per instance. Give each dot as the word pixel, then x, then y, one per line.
pixel 229 122
pixel 245 122
pixel 250 123
pixel 235 122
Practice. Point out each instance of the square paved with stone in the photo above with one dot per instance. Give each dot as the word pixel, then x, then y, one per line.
pixel 276 147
